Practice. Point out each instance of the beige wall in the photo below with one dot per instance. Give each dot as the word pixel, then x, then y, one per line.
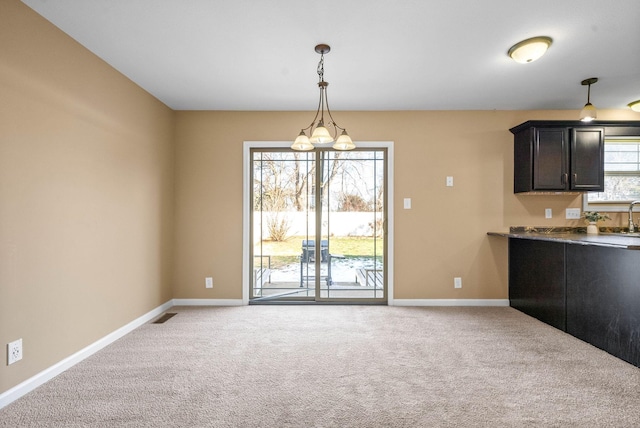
pixel 86 195
pixel 442 236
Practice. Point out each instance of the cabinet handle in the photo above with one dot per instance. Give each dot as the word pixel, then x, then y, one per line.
pixel 563 178
pixel 575 178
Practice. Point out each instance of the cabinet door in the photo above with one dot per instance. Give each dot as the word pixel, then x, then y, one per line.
pixel 603 299
pixel 550 159
pixel 537 280
pixel 587 159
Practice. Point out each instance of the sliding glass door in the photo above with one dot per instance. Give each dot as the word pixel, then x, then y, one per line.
pixel 318 226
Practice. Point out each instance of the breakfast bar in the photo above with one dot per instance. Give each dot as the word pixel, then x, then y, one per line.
pixel 585 285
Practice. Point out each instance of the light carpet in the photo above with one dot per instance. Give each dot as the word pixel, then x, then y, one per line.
pixel 339 366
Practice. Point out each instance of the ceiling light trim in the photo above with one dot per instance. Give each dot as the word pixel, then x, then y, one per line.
pixel 634 105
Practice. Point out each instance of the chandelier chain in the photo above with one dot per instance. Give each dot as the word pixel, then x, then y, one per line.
pixel 321 68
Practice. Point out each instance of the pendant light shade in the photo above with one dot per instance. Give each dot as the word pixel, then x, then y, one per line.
pixel 530 50
pixel 320 133
pixel 589 111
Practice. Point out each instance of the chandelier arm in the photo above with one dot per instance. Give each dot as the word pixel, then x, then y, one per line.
pixel 333 122
pixel 318 110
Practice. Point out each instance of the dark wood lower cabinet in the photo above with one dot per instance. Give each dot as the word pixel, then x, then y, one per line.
pixel 591 292
pixel 603 299
pixel 537 280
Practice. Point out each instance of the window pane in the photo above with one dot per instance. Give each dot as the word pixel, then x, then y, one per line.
pixel 620 157
pixel 618 188
pixel 622 171
pixel 621 167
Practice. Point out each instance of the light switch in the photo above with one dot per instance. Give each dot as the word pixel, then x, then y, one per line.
pixel 407 203
pixel 572 213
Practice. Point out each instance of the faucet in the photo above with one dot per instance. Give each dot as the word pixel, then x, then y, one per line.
pixel 632 227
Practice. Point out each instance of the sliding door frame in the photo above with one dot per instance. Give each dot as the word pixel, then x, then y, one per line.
pixel 246 192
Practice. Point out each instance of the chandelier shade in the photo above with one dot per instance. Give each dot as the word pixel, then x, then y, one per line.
pixel 319 133
pixel 302 143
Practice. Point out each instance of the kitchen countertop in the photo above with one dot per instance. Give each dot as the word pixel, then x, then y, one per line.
pixel 571 236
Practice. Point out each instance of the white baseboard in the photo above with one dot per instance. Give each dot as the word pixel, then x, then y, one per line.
pixel 208 302
pixel 450 302
pixel 35 381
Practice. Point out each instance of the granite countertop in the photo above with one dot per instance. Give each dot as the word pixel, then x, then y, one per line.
pixel 572 235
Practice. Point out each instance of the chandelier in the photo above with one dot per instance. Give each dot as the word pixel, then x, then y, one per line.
pixel 319 134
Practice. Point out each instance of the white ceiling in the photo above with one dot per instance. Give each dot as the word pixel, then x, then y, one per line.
pixel 385 54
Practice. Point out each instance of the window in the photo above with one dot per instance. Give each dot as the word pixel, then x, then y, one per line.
pixel 621 176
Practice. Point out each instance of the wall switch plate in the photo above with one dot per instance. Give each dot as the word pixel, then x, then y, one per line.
pixel 548 213
pixel 457 282
pixel 208 282
pixel 407 203
pixel 14 351
pixel 449 181
pixel 572 213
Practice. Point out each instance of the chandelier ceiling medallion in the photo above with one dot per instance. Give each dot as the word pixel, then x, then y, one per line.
pixel 319 134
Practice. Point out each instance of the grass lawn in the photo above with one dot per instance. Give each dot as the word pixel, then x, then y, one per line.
pixel 350 246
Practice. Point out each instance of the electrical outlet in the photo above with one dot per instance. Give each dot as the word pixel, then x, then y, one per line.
pixel 208 282
pixel 457 282
pixel 548 213
pixel 572 213
pixel 14 351
pixel 449 181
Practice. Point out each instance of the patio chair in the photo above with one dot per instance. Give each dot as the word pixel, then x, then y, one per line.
pixel 309 250
pixel 309 256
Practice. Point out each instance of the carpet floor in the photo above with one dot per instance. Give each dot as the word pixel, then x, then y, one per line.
pixel 339 366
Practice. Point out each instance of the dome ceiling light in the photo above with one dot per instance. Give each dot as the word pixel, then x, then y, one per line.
pixel 320 134
pixel 530 50
pixel 634 105
pixel 588 112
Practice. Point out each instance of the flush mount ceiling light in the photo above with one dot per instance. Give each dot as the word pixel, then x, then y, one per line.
pixel 588 112
pixel 634 105
pixel 317 130
pixel 530 50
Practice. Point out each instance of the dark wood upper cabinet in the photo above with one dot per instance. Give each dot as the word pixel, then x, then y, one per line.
pixel 559 157
pixel 564 155
pixel 587 159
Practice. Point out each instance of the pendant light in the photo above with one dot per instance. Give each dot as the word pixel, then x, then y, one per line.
pixel 529 50
pixel 319 134
pixel 588 112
